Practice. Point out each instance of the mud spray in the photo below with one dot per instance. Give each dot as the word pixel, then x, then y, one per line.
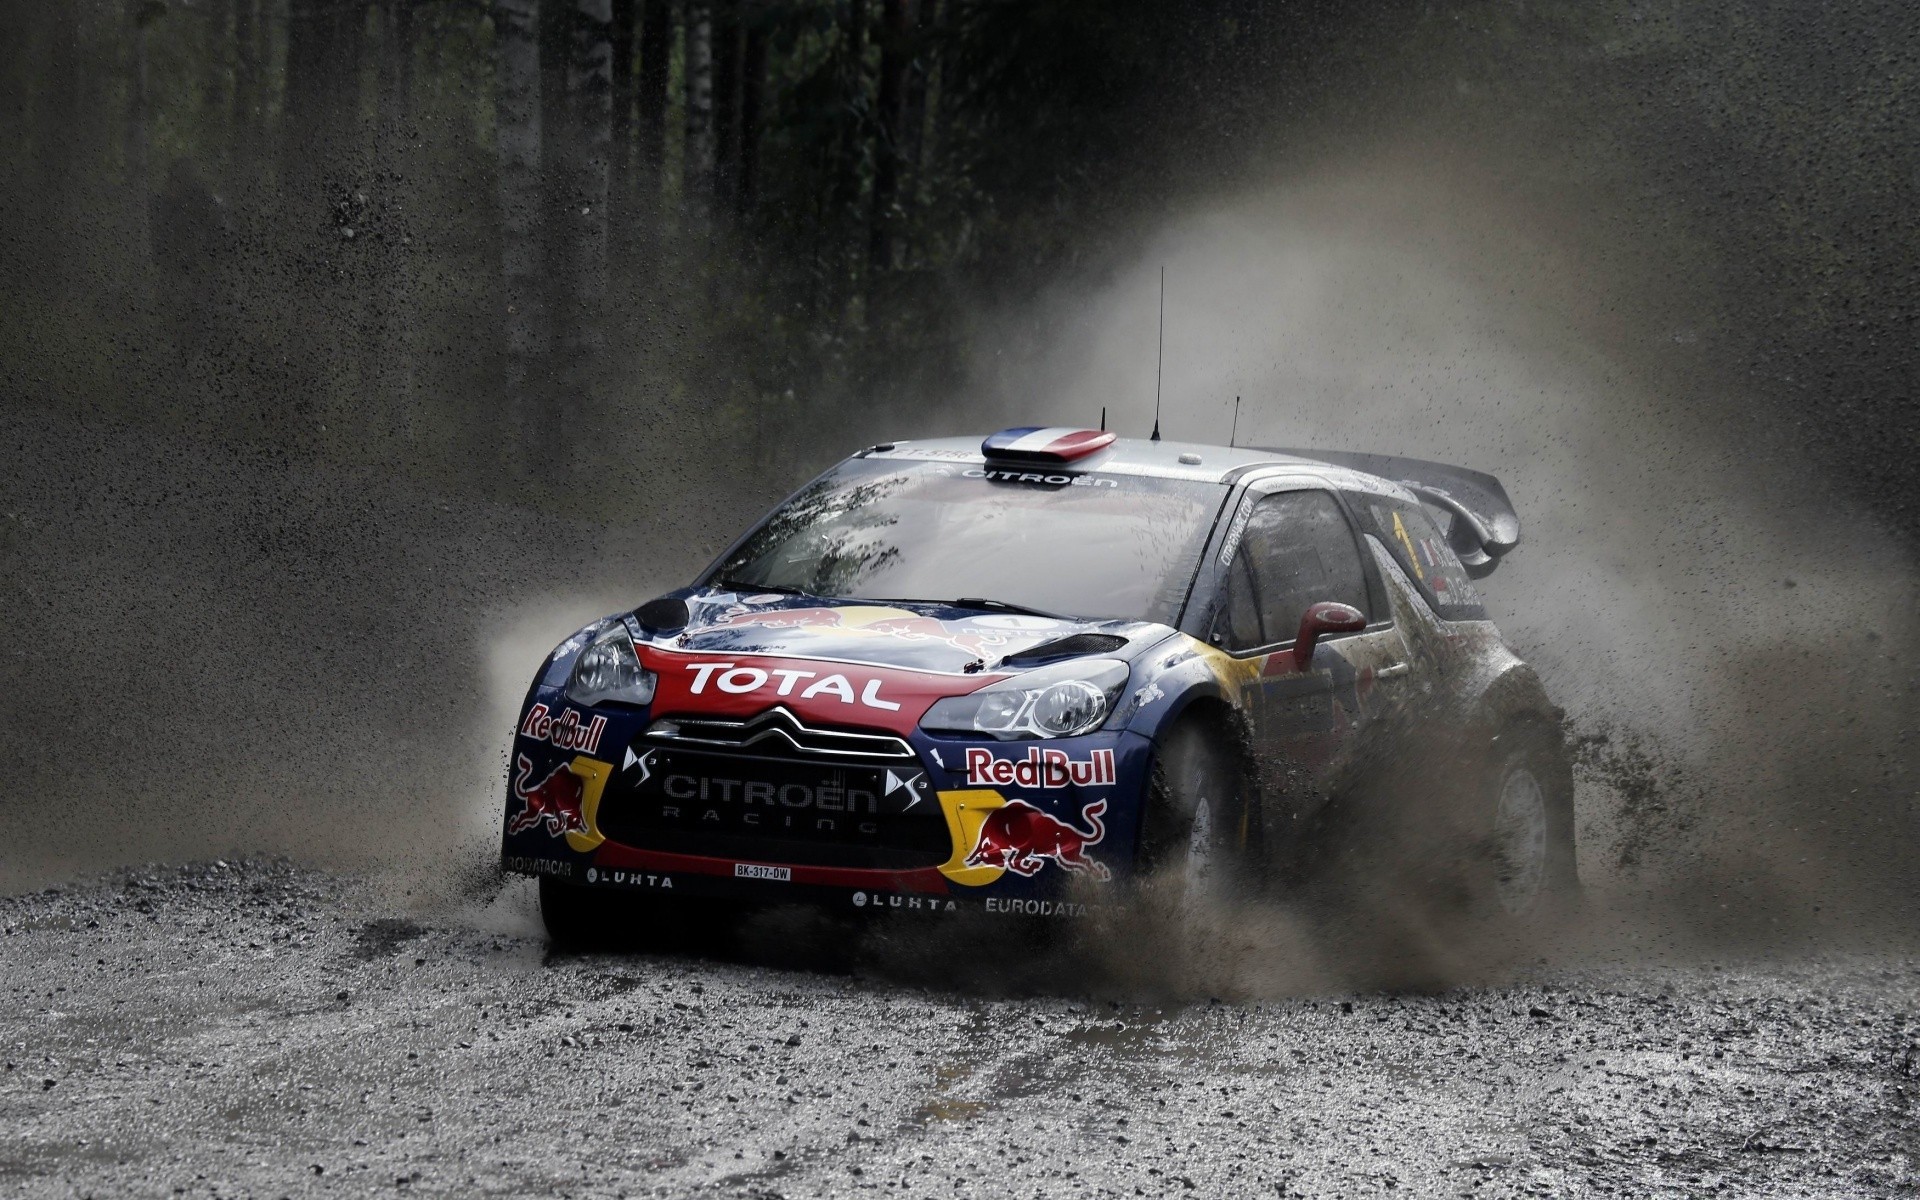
pixel 1732 641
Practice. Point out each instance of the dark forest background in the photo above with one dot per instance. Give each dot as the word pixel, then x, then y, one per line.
pixel 511 246
pixel 351 351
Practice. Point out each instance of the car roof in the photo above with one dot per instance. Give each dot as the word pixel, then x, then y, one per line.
pixel 1142 456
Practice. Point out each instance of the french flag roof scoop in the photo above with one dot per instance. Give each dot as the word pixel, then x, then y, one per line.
pixel 1055 443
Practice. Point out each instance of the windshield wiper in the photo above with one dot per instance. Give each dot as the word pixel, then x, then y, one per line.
pixel 985 604
pixel 742 585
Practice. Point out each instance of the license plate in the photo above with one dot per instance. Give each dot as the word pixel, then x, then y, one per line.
pixel 758 871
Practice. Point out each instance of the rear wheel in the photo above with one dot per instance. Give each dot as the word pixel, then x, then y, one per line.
pixel 1524 869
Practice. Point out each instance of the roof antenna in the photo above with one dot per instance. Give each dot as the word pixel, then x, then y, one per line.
pixel 1236 423
pixel 1103 418
pixel 1162 361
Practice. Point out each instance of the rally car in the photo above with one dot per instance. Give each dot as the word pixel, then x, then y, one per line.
pixel 1023 674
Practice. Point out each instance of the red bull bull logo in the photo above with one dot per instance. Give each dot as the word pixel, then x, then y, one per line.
pixel 782 618
pixel 1041 768
pixel 553 802
pixel 1020 838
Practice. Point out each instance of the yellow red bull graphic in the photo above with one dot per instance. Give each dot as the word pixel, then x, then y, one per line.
pixel 562 803
pixel 552 805
pixel 993 835
pixel 1021 838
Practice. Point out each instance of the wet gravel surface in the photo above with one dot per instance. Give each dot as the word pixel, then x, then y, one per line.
pixel 260 1030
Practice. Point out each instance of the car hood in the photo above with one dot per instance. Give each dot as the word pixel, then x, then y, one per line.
pixel 913 637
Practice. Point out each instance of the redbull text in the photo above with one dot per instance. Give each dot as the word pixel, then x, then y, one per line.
pixel 565 731
pixel 1041 768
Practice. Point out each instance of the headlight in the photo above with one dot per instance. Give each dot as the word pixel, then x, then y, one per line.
pixel 1059 701
pixel 608 669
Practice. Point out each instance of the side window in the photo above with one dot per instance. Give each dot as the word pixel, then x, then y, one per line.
pixel 1240 619
pixel 1297 550
pixel 1417 544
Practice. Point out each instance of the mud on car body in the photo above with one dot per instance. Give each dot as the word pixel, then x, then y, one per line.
pixel 1018 674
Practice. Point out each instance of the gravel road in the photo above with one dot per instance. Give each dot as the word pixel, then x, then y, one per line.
pixel 256 1029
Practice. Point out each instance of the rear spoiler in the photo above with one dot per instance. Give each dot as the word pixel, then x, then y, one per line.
pixel 1484 525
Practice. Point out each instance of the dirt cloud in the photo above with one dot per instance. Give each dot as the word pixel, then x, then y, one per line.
pixel 1732 638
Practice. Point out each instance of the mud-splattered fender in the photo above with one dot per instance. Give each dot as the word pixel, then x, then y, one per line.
pixel 1173 676
pixel 1496 689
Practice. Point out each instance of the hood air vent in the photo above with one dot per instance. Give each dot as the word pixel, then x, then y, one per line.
pixel 663 614
pixel 1071 646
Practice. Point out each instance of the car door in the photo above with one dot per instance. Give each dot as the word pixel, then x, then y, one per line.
pixel 1298 547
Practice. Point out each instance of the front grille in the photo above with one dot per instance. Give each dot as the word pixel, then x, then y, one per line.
pixel 807 804
pixel 778 733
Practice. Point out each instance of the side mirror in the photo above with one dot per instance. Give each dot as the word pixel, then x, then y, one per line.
pixel 1328 616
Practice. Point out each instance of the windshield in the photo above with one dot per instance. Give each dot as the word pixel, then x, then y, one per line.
pixel 1077 544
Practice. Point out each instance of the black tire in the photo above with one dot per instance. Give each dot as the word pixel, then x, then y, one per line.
pixel 1197 806
pixel 576 918
pixel 1522 868
pixel 602 918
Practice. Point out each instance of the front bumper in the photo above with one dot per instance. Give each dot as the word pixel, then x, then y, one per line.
pixel 932 823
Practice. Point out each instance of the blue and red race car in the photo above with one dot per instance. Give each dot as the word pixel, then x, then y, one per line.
pixel 1023 674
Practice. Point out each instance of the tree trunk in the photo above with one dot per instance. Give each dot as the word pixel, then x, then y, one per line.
pixel 405 41
pixel 620 127
pixel 842 250
pixel 320 212
pixel 395 402
pixel 323 76
pixel 857 45
pixel 753 76
pixel 244 142
pixel 139 139
pixel 922 104
pixel 894 55
pixel 696 171
pixel 656 46
pixel 216 102
pixel 589 92
pixel 913 134
pixel 519 137
pixel 726 100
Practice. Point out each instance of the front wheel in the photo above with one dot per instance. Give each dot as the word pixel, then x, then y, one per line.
pixel 600 918
pixel 1197 839
pixel 575 917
